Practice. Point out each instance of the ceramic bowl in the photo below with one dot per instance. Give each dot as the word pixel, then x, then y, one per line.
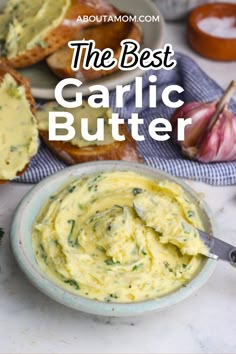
pixel 223 49
pixel 22 246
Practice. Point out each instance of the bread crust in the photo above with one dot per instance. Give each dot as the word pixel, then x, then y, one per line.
pixel 62 33
pixel 72 155
pixel 4 69
pixel 107 35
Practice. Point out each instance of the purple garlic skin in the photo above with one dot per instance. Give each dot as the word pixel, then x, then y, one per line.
pixel 220 143
pixel 204 144
pixel 201 114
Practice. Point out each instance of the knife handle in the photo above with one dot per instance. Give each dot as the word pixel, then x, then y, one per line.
pixel 232 257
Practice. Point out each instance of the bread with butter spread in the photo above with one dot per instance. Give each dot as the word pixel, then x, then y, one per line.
pixel 19 132
pixel 79 150
pixel 32 30
pixel 108 35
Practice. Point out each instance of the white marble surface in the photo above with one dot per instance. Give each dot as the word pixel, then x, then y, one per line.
pixel 204 323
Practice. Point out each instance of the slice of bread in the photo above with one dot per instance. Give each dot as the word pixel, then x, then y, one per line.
pixel 72 154
pixel 108 35
pixel 4 69
pixel 59 36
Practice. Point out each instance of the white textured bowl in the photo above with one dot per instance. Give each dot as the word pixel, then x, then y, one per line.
pixel 21 242
pixel 174 10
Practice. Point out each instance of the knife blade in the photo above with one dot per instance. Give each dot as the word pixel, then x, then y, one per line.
pixel 219 249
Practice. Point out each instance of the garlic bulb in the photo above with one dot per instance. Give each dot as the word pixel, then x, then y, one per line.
pixel 212 135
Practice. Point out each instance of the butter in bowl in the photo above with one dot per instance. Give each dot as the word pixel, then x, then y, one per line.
pixel 78 239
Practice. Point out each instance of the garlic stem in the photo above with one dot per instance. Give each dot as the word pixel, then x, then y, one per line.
pixel 221 104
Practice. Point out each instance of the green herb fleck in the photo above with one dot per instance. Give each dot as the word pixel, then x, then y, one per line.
pixel 166 264
pixel 71 239
pixel 137 191
pixel 71 189
pixel 93 185
pixel 191 214
pixel 137 266
pixel 98 178
pixel 73 283
pixel 186 199
pixel 184 265
pixel 13 148
pixel 95 226
pixel 111 297
pixel 169 268
pixel 15 7
pixel 56 243
pixel 111 262
pixel 43 254
pixel 101 249
pixel 13 91
pixel 109 227
pixel 91 219
pixel 52 197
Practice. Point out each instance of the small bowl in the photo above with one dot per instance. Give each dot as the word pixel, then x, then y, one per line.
pixel 21 242
pixel 175 10
pixel 222 49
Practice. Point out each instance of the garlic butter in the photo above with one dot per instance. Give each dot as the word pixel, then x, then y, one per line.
pixel 24 24
pixel 84 111
pixel 89 239
pixel 18 129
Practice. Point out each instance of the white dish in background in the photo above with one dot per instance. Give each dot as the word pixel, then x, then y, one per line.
pixel 175 10
pixel 43 81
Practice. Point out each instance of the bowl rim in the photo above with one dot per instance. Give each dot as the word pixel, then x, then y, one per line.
pixel 193 23
pixel 54 291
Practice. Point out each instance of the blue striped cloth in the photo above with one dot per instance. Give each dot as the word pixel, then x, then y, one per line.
pixel 163 155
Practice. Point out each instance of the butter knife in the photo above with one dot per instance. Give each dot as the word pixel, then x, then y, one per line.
pixel 219 249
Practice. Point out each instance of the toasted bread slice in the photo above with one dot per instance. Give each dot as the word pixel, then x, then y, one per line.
pixel 62 33
pixel 79 150
pixel 4 69
pixel 71 155
pixel 108 35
